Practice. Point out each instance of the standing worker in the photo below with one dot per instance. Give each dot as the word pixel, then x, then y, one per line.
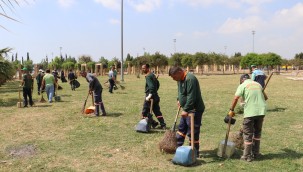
pixel 190 99
pixel 151 92
pixel 95 86
pixel 71 78
pixel 254 112
pixel 27 84
pixel 39 78
pixel 258 75
pixel 111 79
pixel 49 83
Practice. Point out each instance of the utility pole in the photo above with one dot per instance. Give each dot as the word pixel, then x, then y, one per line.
pixel 253 33
pixel 122 71
pixel 175 44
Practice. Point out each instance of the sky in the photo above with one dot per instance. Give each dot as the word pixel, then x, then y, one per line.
pixel 93 27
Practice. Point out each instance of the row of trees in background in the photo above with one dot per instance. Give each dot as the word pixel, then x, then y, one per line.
pixel 265 60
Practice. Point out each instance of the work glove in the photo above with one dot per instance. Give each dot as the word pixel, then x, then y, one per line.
pixel 232 121
pixel 148 97
pixel 231 113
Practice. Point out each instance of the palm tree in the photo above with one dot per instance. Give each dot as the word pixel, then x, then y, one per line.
pixel 8 5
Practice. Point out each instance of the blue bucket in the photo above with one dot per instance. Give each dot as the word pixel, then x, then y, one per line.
pixel 185 156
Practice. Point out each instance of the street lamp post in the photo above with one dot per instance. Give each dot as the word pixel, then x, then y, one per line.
pixel 175 44
pixel 225 49
pixel 253 33
pixel 122 73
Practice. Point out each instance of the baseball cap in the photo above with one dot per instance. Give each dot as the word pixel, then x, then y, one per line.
pixel 253 66
pixel 24 68
pixel 244 76
pixel 40 70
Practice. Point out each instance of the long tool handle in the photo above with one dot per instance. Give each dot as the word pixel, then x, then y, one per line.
pixel 83 108
pixel 175 122
pixel 268 80
pixel 192 121
pixel 226 137
pixel 93 104
pixel 151 106
pixel 19 94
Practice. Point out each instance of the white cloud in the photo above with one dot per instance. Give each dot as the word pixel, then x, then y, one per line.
pixel 66 3
pixel 240 25
pixel 178 34
pixel 145 5
pixel 112 4
pixel 292 17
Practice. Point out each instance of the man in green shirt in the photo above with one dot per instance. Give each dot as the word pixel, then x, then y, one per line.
pixel 151 92
pixel 49 83
pixel 190 99
pixel 27 84
pixel 254 112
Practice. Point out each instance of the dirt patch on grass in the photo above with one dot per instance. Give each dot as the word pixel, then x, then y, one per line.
pixel 23 151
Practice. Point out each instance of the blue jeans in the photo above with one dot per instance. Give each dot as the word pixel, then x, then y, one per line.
pixel 49 92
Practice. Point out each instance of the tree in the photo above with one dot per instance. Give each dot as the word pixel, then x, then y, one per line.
pixel 236 60
pixel 250 59
pixel 104 62
pixel 7 69
pixel 158 60
pixel 187 60
pixel 200 59
pixel 85 59
pixel 176 59
pixel 271 60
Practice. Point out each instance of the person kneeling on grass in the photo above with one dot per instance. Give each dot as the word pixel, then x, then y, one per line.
pixel 254 112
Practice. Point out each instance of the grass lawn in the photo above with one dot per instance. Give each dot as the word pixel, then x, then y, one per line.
pixel 56 137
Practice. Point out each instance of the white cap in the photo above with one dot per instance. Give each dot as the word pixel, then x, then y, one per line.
pixel 40 70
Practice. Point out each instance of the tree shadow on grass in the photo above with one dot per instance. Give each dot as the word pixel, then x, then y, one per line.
pixel 114 114
pixel 10 87
pixel 8 102
pixel 287 154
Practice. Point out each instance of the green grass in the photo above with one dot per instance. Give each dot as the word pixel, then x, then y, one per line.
pixel 67 141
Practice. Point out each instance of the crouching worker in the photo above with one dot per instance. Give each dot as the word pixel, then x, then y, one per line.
pixel 254 112
pixel 190 99
pixel 96 88
pixel 151 92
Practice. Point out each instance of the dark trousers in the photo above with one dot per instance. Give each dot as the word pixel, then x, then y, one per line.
pixel 72 85
pixel 98 102
pixel 111 85
pixel 184 129
pixel 252 128
pixel 39 86
pixel 27 92
pixel 156 110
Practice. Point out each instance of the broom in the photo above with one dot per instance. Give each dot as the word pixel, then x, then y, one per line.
pixel 169 142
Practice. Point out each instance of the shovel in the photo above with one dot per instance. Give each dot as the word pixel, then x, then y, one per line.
pixel 90 109
pixel 57 97
pixel 186 155
pixel 19 103
pixel 228 146
pixel 144 125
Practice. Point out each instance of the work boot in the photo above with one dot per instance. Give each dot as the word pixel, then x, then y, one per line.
pixel 256 149
pixel 97 110
pixel 102 109
pixel 154 124
pixel 162 127
pixel 247 153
